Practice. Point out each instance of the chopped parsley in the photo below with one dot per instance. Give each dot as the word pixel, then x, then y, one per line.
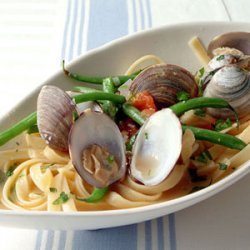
pixel 222 124
pixel 110 159
pixel 201 72
pixel 17 143
pixel 75 116
pixel 200 112
pixel 221 57
pixel 182 96
pixel 201 158
pixel 61 199
pixel 223 166
pixel 204 157
pixel 146 136
pixel 11 170
pixel 52 190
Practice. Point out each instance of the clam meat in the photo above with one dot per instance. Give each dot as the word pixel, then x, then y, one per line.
pixel 157 148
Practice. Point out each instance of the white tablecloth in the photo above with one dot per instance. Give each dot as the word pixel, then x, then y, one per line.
pixel 36 35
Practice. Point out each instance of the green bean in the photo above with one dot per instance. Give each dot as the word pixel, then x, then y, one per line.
pixel 96 195
pixel 108 106
pixel 85 90
pixel 216 137
pixel 95 96
pixel 200 134
pixel 118 80
pixel 18 128
pixel 201 102
pixel 130 143
pixel 133 113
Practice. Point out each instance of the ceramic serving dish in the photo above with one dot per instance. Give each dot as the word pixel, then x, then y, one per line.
pixel 168 42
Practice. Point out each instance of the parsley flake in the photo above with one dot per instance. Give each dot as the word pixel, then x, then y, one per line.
pixel 182 96
pixel 221 124
pixel 146 136
pixel 11 170
pixel 201 72
pixel 75 116
pixel 221 57
pixel 61 199
pixel 110 159
pixel 223 166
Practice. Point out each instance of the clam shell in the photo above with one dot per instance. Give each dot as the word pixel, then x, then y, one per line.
pixel 94 128
pixel 236 40
pixel 55 116
pixel 157 148
pixel 163 82
pixel 232 84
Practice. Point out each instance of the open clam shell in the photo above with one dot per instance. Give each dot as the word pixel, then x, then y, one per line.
pixel 157 148
pixel 163 82
pixel 97 149
pixel 55 116
pixel 236 40
pixel 232 84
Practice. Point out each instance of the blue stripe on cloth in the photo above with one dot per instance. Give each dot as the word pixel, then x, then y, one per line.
pixel 119 238
pixel 148 235
pixel 62 240
pixel 110 22
pixel 73 31
pixel 50 240
pixel 149 13
pixel 160 233
pixel 172 232
pixel 80 36
pixel 38 239
pixel 66 29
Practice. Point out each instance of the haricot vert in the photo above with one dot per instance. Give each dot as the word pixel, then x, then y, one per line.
pixel 117 80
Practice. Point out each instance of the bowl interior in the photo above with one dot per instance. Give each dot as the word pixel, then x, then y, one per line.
pixel 171 44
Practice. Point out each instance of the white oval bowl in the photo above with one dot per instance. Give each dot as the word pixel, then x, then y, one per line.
pixel 168 42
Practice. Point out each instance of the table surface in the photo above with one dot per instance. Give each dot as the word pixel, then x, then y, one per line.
pixel 36 35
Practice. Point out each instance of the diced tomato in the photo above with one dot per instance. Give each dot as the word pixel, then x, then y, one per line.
pixel 143 100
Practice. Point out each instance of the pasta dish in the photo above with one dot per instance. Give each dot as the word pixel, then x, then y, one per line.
pixel 156 133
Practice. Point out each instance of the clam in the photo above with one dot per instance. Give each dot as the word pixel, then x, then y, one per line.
pixel 97 149
pixel 157 148
pixel 55 116
pixel 235 40
pixel 163 82
pixel 232 84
